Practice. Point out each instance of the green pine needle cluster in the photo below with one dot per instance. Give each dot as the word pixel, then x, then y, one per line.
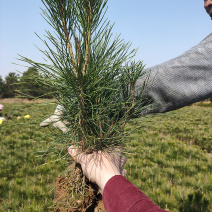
pixel 88 69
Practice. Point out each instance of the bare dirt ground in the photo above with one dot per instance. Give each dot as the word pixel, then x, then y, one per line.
pixel 24 100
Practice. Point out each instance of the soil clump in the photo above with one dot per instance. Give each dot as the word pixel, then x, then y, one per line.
pixel 75 193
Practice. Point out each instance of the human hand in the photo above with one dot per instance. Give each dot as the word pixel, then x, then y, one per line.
pixel 1 108
pixel 100 166
pixel 56 120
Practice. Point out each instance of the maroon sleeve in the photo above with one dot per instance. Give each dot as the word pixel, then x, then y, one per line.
pixel 120 195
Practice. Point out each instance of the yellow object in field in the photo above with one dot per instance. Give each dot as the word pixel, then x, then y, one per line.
pixel 18 117
pixel 1 121
pixel 27 116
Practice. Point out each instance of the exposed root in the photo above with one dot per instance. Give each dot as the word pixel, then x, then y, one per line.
pixel 75 193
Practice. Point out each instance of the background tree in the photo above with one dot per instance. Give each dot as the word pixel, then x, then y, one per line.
pixel 11 85
pixel 2 87
pixel 30 86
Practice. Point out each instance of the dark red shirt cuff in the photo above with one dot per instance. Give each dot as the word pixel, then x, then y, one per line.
pixel 120 195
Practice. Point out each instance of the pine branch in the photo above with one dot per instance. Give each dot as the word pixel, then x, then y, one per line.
pixel 87 72
pixel 66 34
pixel 88 40
pixel 78 50
pixel 133 92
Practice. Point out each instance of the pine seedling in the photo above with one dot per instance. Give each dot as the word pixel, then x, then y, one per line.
pixel 87 71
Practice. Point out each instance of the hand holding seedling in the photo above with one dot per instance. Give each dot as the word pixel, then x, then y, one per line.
pixel 100 166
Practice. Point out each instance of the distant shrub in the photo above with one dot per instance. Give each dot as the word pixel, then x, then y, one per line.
pixel 195 202
pixel 202 104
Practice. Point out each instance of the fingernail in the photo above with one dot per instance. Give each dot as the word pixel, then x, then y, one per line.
pixel 71 151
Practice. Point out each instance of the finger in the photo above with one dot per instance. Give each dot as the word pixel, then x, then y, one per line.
pixel 74 153
pixel 123 160
pixel 60 125
pixel 124 172
pixel 46 122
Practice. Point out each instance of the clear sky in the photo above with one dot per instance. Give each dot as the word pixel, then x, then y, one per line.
pixel 160 29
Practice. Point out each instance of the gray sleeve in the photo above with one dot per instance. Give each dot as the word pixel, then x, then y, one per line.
pixel 181 81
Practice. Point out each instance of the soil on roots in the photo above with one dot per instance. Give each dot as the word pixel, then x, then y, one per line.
pixel 75 193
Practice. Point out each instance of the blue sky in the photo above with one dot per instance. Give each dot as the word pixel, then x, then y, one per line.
pixel 160 29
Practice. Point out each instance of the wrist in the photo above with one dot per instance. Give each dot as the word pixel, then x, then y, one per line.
pixel 104 181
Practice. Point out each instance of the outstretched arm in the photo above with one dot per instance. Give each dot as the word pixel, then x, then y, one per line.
pixel 181 81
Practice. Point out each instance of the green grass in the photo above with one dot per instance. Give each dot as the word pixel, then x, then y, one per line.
pixel 169 157
pixel 26 184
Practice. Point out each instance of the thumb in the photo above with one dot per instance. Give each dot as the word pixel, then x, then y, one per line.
pixel 74 153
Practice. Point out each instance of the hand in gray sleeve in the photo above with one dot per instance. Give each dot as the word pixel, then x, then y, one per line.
pixel 181 81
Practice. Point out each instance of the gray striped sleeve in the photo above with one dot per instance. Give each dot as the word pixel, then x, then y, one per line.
pixel 180 81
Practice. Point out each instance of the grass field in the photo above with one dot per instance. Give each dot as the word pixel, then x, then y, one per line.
pixel 169 158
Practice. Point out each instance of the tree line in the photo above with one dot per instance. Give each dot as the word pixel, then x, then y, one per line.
pixel 25 85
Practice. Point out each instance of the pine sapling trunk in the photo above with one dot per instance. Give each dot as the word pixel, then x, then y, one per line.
pixel 133 92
